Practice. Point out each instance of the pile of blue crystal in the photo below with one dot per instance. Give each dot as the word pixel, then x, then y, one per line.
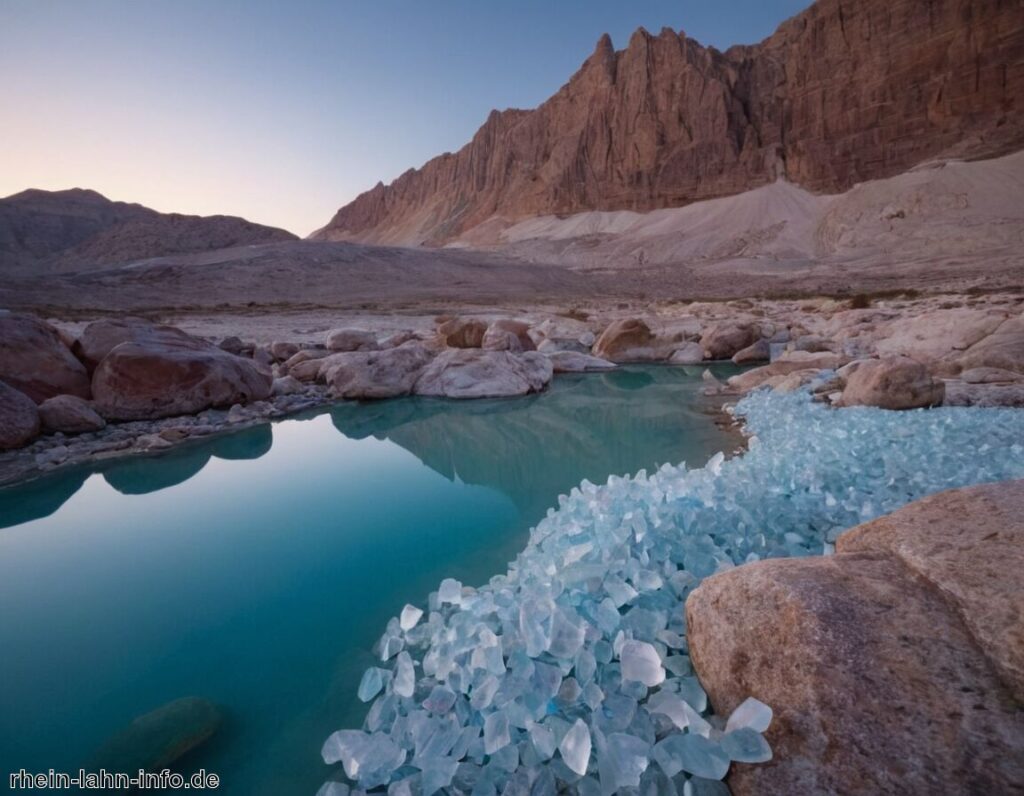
pixel 571 672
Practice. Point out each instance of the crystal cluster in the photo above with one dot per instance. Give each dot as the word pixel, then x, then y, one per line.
pixel 571 671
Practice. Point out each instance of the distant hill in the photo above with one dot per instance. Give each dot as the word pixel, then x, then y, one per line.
pixel 842 93
pixel 78 229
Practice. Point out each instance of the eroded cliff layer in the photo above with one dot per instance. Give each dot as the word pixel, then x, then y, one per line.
pixel 843 92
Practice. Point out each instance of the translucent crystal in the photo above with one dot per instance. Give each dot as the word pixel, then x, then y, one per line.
pixel 641 662
pixel 621 762
pixel 746 745
pixel 405 675
pixel 496 733
pixel 450 591
pixel 409 617
pixel 371 684
pixel 750 713
pixel 440 700
pixel 575 747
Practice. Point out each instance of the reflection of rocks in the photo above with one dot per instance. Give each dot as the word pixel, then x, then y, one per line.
pixel 39 498
pixel 514 446
pixel 139 477
pixel 155 740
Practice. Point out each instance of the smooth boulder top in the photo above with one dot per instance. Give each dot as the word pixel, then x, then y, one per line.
pixel 69 414
pixel 139 381
pixel 342 340
pixel 35 360
pixel 475 373
pixel 19 418
pixel 99 338
pixel 893 666
pixel 375 374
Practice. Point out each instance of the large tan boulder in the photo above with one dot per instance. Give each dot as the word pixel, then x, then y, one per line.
pixel 69 414
pixel 968 544
pixel 376 374
pixel 508 335
pixel 137 381
pixel 462 332
pixel 1003 349
pixel 624 340
pixel 99 338
pixel 893 666
pixel 474 373
pixel 351 340
pixel 35 361
pixel 892 383
pixel 724 340
pixel 19 418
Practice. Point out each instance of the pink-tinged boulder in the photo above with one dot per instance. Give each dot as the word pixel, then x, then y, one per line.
pixel 1003 349
pixel 19 418
pixel 894 666
pixel 69 414
pixel 689 354
pixel 376 374
pixel 351 340
pixel 100 337
pixel 462 333
pixel 760 351
pixel 475 373
pixel 892 383
pixel 508 335
pixel 282 351
pixel 936 335
pixel 138 381
pixel 35 361
pixel 724 340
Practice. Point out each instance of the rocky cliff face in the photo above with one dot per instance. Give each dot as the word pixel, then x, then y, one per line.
pixel 81 229
pixel 843 92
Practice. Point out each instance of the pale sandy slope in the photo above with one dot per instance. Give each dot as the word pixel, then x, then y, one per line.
pixel 942 213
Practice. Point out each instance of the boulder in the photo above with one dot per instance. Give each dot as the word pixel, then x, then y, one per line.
pixel 396 339
pixel 759 351
pixel 138 381
pixel 462 332
pixel 286 385
pixel 472 373
pixel 814 343
pixel 19 418
pixel 935 335
pixel 623 339
pixel 376 374
pixel 100 337
pixel 307 369
pixel 725 339
pixel 152 742
pixel 575 362
pixel 508 335
pixel 961 393
pixel 789 362
pixel 261 355
pixel 69 414
pixel 283 351
pixel 35 361
pixel 233 345
pixel 991 376
pixel 893 666
pixel 892 383
pixel 305 355
pixel 1004 348
pixel 351 340
pixel 690 354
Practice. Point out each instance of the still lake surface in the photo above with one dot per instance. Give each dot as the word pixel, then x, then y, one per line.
pixel 257 570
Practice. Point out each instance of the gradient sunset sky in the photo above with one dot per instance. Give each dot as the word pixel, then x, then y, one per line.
pixel 281 112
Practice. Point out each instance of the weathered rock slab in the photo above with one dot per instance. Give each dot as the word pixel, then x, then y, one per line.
pixel 19 418
pixel 892 383
pixel 69 414
pixel 376 374
pixel 575 362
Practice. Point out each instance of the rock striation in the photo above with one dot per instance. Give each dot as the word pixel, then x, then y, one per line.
pixel 842 93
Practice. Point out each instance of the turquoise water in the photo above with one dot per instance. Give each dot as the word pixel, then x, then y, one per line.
pixel 257 570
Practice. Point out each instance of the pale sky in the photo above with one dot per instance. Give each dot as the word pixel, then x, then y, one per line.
pixel 281 112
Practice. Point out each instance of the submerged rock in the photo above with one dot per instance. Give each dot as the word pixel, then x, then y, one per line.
pixel 19 418
pixel 473 373
pixel 69 414
pixel 897 664
pixel 155 740
pixel 35 361
pixel 138 381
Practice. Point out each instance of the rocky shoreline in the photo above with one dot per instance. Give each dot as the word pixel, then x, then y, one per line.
pixel 119 387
